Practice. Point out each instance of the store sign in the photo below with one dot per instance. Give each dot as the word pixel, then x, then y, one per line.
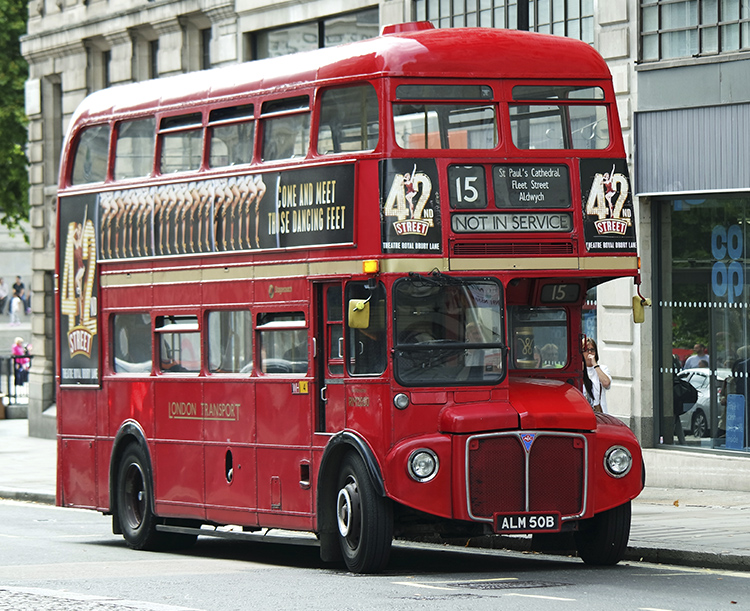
pixel 727 274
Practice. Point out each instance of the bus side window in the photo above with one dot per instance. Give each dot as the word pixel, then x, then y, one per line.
pixel 348 120
pixel 286 137
pixel 283 343
pixel 230 342
pixel 179 344
pixel 134 152
pixel 286 128
pixel 131 343
pixel 367 346
pixel 232 134
pixel 181 143
pixel 90 161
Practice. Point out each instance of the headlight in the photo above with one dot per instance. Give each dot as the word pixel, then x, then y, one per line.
pixel 617 461
pixel 401 401
pixel 423 465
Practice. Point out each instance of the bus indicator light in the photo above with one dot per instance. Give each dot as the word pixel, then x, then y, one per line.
pixel 371 266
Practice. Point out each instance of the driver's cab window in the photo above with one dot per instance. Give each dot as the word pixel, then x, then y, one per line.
pixel 540 337
pixel 365 335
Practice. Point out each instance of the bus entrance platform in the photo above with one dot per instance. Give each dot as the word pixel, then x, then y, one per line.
pixel 684 527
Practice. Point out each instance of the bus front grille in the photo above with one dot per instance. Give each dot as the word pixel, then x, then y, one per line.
pixel 526 472
pixel 511 249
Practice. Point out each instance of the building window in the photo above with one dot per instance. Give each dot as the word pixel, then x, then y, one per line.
pixel 153 58
pixel 702 321
pixel 672 29
pixel 572 18
pixel 327 32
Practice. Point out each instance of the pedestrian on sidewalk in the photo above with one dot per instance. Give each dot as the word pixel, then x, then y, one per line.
pixel 20 362
pixel 16 308
pixel 596 379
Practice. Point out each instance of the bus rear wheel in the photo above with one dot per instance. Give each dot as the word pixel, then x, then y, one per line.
pixel 135 502
pixel 364 519
pixel 604 541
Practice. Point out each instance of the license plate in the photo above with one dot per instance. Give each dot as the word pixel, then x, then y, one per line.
pixel 527 522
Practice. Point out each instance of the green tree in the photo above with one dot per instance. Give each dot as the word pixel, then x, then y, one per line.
pixel 14 201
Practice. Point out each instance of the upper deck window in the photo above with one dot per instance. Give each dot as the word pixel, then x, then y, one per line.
pixel 90 161
pixel 181 143
pixel 134 153
pixel 286 128
pixel 232 132
pixel 445 125
pixel 348 120
pixel 555 118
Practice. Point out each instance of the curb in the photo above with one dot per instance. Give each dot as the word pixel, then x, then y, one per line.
pixel 30 497
pixel 681 557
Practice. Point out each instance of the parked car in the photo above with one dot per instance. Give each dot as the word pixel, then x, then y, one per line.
pixel 696 419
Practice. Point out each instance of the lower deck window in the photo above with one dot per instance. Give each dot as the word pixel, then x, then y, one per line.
pixel 179 344
pixel 283 343
pixel 131 343
pixel 230 342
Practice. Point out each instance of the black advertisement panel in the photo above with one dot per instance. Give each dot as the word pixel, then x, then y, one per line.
pixel 293 208
pixel 410 206
pixel 79 288
pixel 608 218
pixel 308 207
pixel 531 186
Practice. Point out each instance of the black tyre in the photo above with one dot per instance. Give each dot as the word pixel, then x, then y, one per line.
pixel 135 502
pixel 364 519
pixel 604 539
pixel 700 424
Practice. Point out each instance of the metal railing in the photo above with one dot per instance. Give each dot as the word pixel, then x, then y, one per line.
pixel 15 383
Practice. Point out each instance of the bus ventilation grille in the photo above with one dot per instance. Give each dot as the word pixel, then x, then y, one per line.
pixel 475 249
pixel 498 468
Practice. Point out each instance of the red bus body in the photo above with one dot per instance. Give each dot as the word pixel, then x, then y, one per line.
pixel 304 442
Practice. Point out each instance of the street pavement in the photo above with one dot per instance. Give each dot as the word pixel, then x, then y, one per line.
pixel 703 528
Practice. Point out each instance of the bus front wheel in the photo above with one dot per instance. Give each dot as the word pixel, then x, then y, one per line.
pixel 364 519
pixel 604 539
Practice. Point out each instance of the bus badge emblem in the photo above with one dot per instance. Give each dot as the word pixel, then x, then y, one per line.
pixel 528 439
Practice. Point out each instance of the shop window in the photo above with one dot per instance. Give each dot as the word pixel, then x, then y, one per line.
pixel 702 321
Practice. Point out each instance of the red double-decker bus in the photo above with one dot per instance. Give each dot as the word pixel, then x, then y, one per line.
pixel 341 292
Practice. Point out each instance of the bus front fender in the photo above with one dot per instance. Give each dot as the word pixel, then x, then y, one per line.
pixel 338 446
